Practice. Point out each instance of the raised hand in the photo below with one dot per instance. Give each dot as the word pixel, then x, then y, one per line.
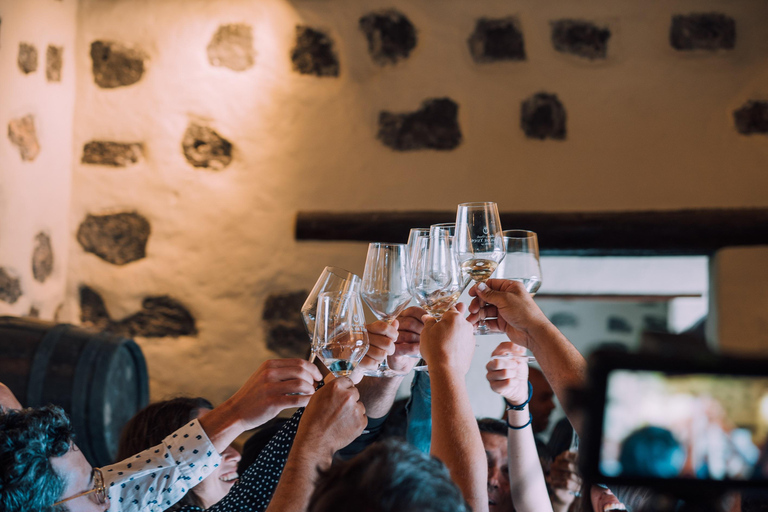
pixel 408 337
pixel 334 418
pixel 278 384
pixel 448 344
pixel 381 343
pixel 515 311
pixel 564 480
pixel 509 376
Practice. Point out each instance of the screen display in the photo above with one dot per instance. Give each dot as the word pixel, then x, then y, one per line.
pixel 696 426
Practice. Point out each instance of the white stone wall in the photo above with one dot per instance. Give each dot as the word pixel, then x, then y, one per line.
pixel 647 128
pixel 35 193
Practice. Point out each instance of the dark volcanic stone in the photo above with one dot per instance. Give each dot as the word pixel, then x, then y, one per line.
pixel 205 148
pixel 10 286
pixel 495 40
pixel 580 38
pixel 391 36
pixel 703 31
pixel 115 65
pixel 232 47
pixel 27 58
pixel 54 60
pixel 619 324
pixel 22 134
pixel 115 154
pixel 118 238
pixel 286 334
pixel 314 53
pixel 752 118
pixel 562 319
pixel 159 317
pixel 542 116
pixel 434 126
pixel 42 257
pixel 93 312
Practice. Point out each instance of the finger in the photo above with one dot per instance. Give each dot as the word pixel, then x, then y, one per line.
pixel 375 354
pixel 414 312
pixel 408 337
pixel 428 320
pixel 303 363
pixel 292 372
pixel 461 307
pixel 409 323
pixel 505 347
pixel 501 363
pixel 382 328
pixel 406 349
pixel 342 383
pixel 381 342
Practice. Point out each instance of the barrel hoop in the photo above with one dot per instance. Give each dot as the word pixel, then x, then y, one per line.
pixel 39 367
pixel 81 408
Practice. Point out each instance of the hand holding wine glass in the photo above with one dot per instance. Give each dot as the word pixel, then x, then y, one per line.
pixel 479 243
pixel 385 288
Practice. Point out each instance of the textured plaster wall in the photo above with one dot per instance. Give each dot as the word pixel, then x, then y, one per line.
pixel 35 193
pixel 647 128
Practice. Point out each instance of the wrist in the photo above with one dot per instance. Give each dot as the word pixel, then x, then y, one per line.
pixel 222 425
pixel 312 450
pixel 519 419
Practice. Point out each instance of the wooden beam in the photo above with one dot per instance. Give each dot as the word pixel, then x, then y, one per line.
pixel 628 233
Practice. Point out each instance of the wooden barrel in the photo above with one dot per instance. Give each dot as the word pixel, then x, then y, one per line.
pixel 99 379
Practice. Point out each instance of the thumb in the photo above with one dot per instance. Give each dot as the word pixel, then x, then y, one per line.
pixel 485 293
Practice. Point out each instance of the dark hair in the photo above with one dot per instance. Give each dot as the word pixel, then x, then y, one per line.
pixel 388 476
pixel 29 438
pixel 652 452
pixel 155 422
pixel 492 426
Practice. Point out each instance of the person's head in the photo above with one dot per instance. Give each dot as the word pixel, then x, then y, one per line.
pixel 542 401
pixel 156 421
pixel 494 435
pixel 40 464
pixel 388 476
pixel 651 452
pixel 603 499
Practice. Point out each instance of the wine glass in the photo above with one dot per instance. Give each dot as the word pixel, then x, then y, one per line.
pixel 332 279
pixel 340 333
pixel 522 260
pixel 479 243
pixel 436 281
pixel 385 288
pixel 413 239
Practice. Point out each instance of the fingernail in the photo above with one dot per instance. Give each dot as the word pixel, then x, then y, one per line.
pixel 482 287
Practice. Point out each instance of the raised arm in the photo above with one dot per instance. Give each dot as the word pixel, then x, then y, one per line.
pixel 333 418
pixel 448 346
pixel 509 378
pixel 521 319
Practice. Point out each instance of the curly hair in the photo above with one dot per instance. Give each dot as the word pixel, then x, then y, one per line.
pixel 152 424
pixel 29 438
pixel 389 476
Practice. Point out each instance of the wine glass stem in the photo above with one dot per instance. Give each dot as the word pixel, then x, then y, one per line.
pixel 383 366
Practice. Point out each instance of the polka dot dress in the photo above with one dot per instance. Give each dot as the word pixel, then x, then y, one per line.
pixel 254 490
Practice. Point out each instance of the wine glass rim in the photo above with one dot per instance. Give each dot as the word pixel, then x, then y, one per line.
pixel 385 244
pixel 478 203
pixel 420 229
pixel 518 233
pixel 336 293
pixel 443 225
pixel 341 272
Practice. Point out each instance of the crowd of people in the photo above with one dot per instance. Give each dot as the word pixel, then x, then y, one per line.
pixel 331 455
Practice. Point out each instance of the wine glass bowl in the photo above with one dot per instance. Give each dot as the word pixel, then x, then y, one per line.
pixel 522 260
pixel 385 288
pixel 436 281
pixel 479 243
pixel 332 279
pixel 340 333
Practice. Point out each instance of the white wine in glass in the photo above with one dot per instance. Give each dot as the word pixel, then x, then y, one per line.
pixel 479 243
pixel 332 279
pixel 340 333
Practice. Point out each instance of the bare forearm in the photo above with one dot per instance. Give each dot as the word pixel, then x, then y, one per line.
pixel 297 483
pixel 378 395
pixel 563 365
pixel 456 438
pixel 222 426
pixel 526 480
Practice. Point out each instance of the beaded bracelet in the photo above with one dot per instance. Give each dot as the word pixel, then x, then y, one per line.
pixel 520 407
